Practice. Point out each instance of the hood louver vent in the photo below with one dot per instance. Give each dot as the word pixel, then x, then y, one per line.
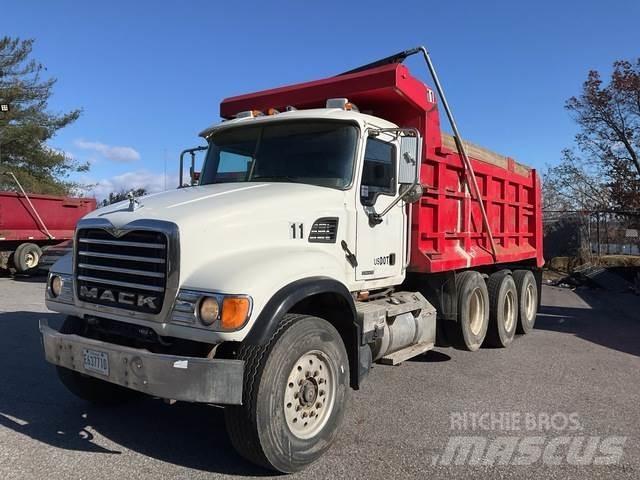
pixel 324 230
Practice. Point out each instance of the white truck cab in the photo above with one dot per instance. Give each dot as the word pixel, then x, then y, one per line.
pixel 294 216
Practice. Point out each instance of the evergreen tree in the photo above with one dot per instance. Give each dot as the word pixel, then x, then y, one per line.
pixel 28 125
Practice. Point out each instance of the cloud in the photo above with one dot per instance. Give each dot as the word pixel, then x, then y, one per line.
pixel 151 181
pixel 112 152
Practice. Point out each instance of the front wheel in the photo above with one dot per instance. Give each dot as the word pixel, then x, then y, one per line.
pixel 295 392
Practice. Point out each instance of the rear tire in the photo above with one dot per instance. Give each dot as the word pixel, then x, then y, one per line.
pixel 503 309
pixel 299 377
pixel 470 329
pixel 90 389
pixel 26 257
pixel 528 296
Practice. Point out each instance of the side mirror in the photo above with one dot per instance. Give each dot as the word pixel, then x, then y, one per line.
pixel 194 176
pixel 409 160
pixel 408 172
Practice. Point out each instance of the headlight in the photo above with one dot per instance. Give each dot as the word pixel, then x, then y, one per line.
pixel 60 288
pixel 216 311
pixel 209 310
pixel 56 285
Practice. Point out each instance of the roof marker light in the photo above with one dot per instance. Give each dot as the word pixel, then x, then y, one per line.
pixel 249 114
pixel 341 103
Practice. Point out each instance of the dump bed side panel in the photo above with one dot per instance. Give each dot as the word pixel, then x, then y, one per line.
pixel 447 227
pixel 18 220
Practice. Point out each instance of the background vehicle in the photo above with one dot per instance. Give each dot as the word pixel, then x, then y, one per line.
pixel 333 225
pixel 30 224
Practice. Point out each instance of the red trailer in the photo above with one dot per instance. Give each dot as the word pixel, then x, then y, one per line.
pixel 31 223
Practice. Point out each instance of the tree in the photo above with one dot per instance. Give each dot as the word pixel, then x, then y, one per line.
pixel 28 125
pixel 597 183
pixel 609 137
pixel 115 197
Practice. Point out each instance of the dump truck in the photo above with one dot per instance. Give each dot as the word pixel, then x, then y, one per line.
pixel 333 226
pixel 32 223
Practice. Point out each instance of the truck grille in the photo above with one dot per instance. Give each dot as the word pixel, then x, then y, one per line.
pixel 127 272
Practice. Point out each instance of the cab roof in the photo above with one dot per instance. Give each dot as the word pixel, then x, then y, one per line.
pixel 339 114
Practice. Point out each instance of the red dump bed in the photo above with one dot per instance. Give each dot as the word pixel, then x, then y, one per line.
pixel 19 222
pixel 447 226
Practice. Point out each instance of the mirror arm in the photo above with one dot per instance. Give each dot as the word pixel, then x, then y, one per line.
pixel 376 218
pixel 182 154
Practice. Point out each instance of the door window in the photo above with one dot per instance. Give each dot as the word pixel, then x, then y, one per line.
pixel 378 172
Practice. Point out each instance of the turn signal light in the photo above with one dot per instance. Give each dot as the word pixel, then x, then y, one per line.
pixel 235 311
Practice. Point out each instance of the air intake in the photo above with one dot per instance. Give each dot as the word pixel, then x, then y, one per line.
pixel 324 230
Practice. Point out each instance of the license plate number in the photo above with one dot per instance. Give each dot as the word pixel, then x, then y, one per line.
pixel 96 361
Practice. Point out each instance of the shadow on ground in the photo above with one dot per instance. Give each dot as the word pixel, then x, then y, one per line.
pixel 606 320
pixel 35 404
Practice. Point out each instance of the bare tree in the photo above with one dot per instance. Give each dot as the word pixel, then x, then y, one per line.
pixel 609 139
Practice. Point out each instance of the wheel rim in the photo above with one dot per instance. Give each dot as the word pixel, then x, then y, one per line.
pixel 509 311
pixel 476 312
pixel 31 259
pixel 309 394
pixel 529 302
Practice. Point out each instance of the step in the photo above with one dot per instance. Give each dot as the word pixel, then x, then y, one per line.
pixel 406 353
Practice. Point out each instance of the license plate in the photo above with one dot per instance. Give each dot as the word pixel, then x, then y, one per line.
pixel 96 361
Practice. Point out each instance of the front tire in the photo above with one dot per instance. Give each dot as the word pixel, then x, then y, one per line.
pixel 296 388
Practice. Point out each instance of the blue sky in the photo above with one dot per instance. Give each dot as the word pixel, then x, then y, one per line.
pixel 149 75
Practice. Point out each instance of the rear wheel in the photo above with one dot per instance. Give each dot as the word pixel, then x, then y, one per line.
pixel 528 299
pixel 26 257
pixel 503 309
pixel 295 391
pixel 91 389
pixel 470 329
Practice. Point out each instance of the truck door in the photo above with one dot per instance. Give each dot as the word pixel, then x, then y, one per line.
pixel 379 248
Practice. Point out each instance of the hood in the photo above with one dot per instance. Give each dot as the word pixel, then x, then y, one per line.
pixel 207 203
pixel 220 220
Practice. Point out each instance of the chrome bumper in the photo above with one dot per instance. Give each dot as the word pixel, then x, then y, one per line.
pixel 189 379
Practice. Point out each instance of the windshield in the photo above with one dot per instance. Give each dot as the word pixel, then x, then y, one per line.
pixel 315 152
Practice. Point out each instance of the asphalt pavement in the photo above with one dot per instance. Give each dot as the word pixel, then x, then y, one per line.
pixel 571 389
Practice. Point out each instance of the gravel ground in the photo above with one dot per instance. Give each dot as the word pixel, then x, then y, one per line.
pixel 577 375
